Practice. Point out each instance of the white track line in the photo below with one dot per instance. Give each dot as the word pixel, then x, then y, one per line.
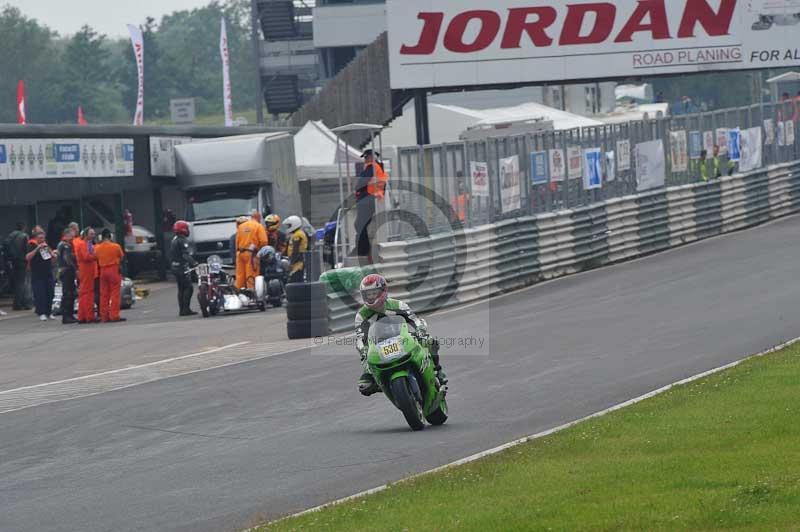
pixel 538 435
pixel 127 368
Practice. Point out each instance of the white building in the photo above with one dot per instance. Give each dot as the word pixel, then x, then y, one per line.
pixel 451 123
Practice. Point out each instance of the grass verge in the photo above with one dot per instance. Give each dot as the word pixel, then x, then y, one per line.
pixel 718 453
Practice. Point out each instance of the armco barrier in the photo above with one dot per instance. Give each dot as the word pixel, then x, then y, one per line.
pixel 448 270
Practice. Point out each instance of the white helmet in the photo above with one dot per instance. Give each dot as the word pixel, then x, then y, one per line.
pixel 293 223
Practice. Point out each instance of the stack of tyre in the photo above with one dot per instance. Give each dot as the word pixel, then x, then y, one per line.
pixel 306 310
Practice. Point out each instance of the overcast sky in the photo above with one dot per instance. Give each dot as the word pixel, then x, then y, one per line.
pixel 106 16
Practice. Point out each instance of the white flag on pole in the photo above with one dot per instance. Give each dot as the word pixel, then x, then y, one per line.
pixel 227 96
pixel 138 50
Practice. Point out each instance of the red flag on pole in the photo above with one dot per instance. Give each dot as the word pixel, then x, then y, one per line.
pixel 21 103
pixel 81 119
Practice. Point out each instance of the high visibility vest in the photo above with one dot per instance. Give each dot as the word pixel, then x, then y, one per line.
pixel 377 185
pixel 460 207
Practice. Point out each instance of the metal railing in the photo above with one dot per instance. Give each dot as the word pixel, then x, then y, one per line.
pixel 427 178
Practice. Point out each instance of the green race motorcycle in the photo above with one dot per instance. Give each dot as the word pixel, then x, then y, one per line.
pixel 404 370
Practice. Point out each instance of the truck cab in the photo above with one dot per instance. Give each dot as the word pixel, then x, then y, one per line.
pixel 212 214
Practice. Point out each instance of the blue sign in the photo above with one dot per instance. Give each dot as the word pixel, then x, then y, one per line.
pixel 539 170
pixel 592 169
pixel 67 153
pixel 695 144
pixel 127 152
pixel 2 154
pixel 734 145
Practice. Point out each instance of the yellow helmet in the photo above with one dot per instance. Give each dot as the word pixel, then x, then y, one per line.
pixel 273 222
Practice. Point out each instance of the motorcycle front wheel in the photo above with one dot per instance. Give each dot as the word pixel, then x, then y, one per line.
pixel 202 300
pixel 408 404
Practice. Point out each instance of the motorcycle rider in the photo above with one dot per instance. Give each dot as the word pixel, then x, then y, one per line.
pixel 298 245
pixel 276 237
pixel 377 303
pixel 181 262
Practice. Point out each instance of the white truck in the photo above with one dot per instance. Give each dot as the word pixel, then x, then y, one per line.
pixel 774 13
pixel 230 177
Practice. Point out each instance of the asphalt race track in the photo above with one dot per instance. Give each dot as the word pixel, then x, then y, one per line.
pixel 213 450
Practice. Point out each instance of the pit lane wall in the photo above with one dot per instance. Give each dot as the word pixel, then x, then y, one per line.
pixel 467 265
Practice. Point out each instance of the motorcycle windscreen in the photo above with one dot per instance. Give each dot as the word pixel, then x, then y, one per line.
pixel 385 334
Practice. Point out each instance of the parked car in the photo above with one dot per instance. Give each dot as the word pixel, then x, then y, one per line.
pixel 141 247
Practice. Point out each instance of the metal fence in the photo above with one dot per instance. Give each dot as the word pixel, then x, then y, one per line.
pixel 428 178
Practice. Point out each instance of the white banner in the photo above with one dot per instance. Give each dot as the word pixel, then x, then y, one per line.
pixel 162 155
pixel 751 146
pixel 789 132
pixel 510 184
pixel 227 93
pixel 137 41
pixel 64 158
pixel 679 151
pixel 574 162
pixel 722 140
pixel 623 155
pixel 457 43
pixel 611 168
pixel 558 168
pixel 769 131
pixel 480 179
pixel 708 142
pixel 650 165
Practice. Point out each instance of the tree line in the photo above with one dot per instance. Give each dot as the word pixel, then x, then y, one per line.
pixel 181 60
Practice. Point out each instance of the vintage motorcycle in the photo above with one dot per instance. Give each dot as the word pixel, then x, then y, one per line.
pixel 216 290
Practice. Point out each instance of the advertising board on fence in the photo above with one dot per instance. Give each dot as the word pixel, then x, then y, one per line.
pixel 510 184
pixel 734 144
pixel 650 165
pixel 769 131
pixel 451 43
pixel 679 151
pixel 789 132
pixel 56 158
pixel 611 166
pixel 751 147
pixel 623 155
pixel 722 140
pixel 708 142
pixel 480 179
pixel 593 169
pixel 539 173
pixel 695 144
pixel 574 162
pixel 558 170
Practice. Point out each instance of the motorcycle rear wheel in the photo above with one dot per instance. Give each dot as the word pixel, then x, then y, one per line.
pixel 408 404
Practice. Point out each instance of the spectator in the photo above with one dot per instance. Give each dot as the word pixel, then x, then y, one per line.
pixel 40 259
pixel 67 274
pixel 17 247
pixel 460 202
pixel 371 186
